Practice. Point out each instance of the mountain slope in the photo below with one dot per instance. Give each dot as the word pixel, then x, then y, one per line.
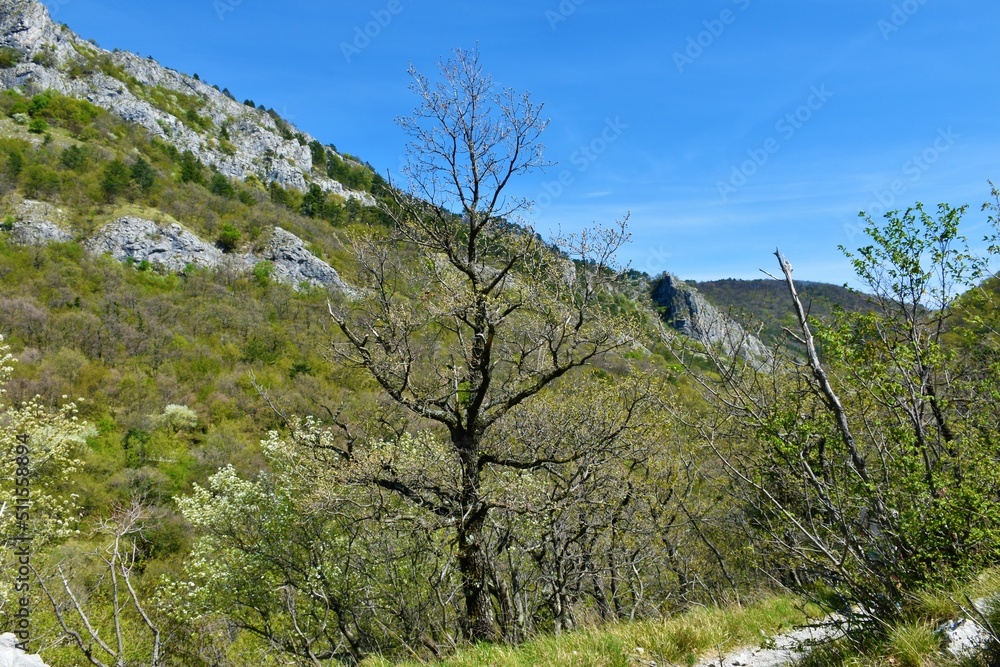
pixel 237 140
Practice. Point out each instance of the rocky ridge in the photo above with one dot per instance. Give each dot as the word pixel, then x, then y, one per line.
pixel 690 313
pixel 239 141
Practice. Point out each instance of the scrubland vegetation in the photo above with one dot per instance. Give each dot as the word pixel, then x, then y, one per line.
pixel 496 454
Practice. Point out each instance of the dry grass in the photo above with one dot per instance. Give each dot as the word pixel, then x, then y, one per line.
pixel 684 639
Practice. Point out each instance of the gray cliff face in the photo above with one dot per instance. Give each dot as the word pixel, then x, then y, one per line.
pixel 294 264
pixel 689 312
pixel 174 248
pixel 171 247
pixel 240 141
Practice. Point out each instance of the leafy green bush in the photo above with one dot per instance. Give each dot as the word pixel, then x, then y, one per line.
pixel 115 179
pixel 143 175
pixel 9 57
pixel 220 185
pixel 355 177
pixel 73 157
pixel 262 272
pixel 229 238
pixel 45 58
pixel 39 180
pixel 191 169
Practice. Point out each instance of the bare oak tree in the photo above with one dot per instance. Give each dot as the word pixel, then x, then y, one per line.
pixel 467 314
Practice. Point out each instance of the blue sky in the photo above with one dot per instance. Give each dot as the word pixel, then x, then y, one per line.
pixel 726 127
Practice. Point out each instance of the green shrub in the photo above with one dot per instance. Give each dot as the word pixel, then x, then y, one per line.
pixel 220 185
pixel 15 163
pixel 229 238
pixel 191 171
pixel 44 58
pixel 115 179
pixel 9 57
pixel 262 272
pixel 246 197
pixel 39 103
pixel 136 446
pixel 37 126
pixel 143 175
pixel 73 157
pixel 40 181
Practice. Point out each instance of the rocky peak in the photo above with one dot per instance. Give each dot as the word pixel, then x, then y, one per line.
pixel 236 139
pixel 687 311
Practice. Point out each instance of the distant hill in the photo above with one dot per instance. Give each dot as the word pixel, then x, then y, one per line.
pixel 765 304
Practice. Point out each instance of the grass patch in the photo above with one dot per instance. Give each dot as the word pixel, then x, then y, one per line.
pixel 914 644
pixel 684 639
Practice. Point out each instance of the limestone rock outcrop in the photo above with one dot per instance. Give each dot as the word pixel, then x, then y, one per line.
pixel 170 246
pixel 294 264
pixel 38 223
pixel 174 248
pixel 685 309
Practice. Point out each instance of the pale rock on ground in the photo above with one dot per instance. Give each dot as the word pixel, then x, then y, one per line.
pixel 294 264
pixel 11 656
pixel 962 638
pixel 172 247
pixel 783 649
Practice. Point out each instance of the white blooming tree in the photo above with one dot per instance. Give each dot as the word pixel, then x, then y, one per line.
pixel 305 563
pixel 38 450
